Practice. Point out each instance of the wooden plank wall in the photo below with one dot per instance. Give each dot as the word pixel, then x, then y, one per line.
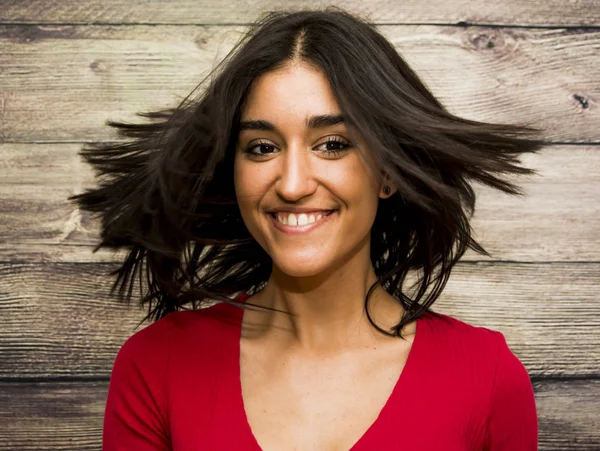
pixel 67 66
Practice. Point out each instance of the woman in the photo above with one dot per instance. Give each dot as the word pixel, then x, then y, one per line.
pixel 302 187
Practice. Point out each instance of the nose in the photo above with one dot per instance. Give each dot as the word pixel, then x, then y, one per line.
pixel 296 177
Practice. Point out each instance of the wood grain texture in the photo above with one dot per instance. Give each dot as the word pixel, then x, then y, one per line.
pixel 514 12
pixel 67 66
pixel 568 415
pixel 59 321
pixel 68 415
pixel 557 220
pixel 52 415
pixel 62 82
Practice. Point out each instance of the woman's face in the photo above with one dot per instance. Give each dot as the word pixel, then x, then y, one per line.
pixel 308 174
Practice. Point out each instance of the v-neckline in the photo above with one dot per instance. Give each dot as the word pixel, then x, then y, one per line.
pixel 363 441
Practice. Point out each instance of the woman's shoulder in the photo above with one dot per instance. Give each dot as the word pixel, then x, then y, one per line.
pixel 457 330
pixel 458 344
pixel 483 376
pixel 462 346
pixel 182 327
pixel 476 356
pixel 216 317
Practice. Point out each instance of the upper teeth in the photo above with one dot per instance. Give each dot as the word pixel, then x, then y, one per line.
pixel 301 219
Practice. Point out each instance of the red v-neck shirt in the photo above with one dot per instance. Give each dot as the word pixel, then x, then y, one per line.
pixel 175 385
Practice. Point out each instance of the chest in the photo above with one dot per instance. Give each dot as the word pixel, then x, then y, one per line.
pixel 325 404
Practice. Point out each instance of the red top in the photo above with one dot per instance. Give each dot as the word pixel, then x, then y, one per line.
pixel 175 385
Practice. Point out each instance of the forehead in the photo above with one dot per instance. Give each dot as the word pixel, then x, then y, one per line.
pixel 290 93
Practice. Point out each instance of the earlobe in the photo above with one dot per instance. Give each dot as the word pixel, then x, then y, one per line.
pixel 386 191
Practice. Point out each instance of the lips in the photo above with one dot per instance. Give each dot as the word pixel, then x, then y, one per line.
pixel 298 210
pixel 296 223
pixel 298 219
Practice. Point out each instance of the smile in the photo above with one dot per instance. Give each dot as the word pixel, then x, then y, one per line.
pixel 300 223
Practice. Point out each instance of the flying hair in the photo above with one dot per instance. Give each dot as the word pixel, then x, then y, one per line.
pixel 166 194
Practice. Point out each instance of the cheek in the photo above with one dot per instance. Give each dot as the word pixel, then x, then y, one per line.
pixel 357 187
pixel 249 189
pixel 244 181
pixel 362 197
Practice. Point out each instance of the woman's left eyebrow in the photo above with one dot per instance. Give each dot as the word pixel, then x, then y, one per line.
pixel 321 121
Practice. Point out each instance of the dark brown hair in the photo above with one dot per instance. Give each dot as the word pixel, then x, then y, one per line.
pixel 166 191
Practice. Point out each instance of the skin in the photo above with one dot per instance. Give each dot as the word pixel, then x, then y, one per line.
pixel 299 371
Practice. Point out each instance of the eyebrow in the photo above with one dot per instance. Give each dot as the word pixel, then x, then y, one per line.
pixel 321 121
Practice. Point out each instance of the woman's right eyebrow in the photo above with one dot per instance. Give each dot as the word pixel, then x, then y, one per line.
pixel 256 125
pixel 321 121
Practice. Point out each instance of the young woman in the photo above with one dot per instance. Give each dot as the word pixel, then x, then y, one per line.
pixel 311 179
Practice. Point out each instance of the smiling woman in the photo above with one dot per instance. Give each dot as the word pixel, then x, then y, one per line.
pixel 313 174
pixel 292 166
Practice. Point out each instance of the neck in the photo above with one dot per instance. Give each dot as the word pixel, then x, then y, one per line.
pixel 326 312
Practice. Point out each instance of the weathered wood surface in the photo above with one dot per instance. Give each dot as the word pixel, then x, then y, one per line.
pixel 60 83
pixel 52 415
pixel 514 12
pixel 59 321
pixel 68 415
pixel 61 77
pixel 558 219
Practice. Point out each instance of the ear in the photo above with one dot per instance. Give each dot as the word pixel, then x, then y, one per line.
pixel 386 189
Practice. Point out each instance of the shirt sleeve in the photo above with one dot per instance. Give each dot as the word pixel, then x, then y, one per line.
pixel 134 417
pixel 512 422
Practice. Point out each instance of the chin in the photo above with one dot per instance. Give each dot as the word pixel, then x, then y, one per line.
pixel 299 272
pixel 303 266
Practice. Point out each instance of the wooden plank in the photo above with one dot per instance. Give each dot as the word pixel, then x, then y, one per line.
pixel 69 415
pixel 58 320
pixel 62 321
pixel 568 416
pixel 515 12
pixel 52 415
pixel 36 218
pixel 62 82
pixel 557 220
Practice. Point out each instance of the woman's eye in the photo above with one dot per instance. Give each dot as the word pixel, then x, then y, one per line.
pixel 334 146
pixel 260 149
